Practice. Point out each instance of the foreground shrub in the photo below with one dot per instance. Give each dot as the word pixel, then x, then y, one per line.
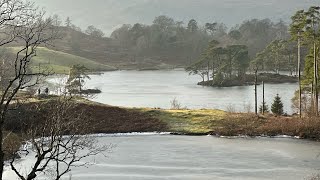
pixel 252 125
pixel 11 144
pixel 239 124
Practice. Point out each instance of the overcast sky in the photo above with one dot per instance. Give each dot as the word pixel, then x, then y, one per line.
pixel 110 14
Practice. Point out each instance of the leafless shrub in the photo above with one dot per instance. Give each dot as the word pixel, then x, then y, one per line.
pixel 11 144
pixel 231 108
pixel 22 26
pixel 247 107
pixel 175 104
pixel 60 142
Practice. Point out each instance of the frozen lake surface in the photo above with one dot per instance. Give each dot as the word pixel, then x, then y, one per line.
pixel 165 157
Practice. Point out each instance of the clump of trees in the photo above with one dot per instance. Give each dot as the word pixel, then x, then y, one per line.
pixel 76 81
pixel 94 32
pixel 221 63
pixel 183 42
pixel 278 56
pixel 77 75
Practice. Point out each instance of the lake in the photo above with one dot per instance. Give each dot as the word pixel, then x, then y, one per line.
pixel 166 157
pixel 158 88
pixel 163 157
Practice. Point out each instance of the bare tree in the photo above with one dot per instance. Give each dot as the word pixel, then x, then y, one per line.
pixel 60 141
pixel 22 25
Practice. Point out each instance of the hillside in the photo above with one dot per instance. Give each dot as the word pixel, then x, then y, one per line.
pixel 114 13
pixel 61 62
pixel 144 46
pixel 108 51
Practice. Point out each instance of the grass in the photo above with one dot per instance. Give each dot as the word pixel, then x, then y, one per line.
pixel 111 119
pixel 186 121
pixel 61 62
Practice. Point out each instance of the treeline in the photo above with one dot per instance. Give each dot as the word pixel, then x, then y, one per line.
pixel 184 42
pixel 305 30
pixel 168 41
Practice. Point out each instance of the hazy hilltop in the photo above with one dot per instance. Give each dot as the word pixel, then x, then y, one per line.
pixel 110 14
pixel 144 44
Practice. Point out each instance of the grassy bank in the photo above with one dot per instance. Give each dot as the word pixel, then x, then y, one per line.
pixel 60 62
pixel 100 118
pixel 110 119
pixel 186 121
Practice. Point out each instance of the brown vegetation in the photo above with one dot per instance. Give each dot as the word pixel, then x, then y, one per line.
pixel 251 125
pixel 100 118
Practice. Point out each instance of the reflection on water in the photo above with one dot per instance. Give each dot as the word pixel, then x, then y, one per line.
pixel 158 88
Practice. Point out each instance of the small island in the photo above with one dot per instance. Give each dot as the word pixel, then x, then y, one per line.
pixel 232 65
pixel 249 79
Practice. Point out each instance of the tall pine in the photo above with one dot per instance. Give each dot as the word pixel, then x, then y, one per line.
pixel 277 106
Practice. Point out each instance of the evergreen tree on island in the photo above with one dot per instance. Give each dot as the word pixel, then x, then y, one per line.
pixel 277 106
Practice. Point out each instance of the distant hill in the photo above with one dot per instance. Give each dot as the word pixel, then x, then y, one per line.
pixel 105 51
pixel 61 62
pixel 109 14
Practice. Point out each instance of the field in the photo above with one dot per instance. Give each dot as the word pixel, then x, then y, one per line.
pixel 187 121
pixel 60 62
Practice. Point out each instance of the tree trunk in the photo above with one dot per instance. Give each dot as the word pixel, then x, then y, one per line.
pixel 208 73
pixel 255 92
pixel 299 75
pixel 213 75
pixel 230 70
pixel 263 100
pixel 315 80
pixel 1 149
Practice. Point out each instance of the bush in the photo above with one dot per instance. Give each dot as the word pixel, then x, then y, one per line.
pixel 251 125
pixel 239 124
pixel 11 144
pixel 264 108
pixel 175 104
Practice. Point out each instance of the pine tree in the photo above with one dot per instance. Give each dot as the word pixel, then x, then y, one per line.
pixel 264 107
pixel 277 106
pixel 77 75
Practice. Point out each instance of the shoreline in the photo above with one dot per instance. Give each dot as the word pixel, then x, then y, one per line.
pixel 112 120
pixel 195 135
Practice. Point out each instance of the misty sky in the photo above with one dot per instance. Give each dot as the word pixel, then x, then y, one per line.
pixel 110 14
